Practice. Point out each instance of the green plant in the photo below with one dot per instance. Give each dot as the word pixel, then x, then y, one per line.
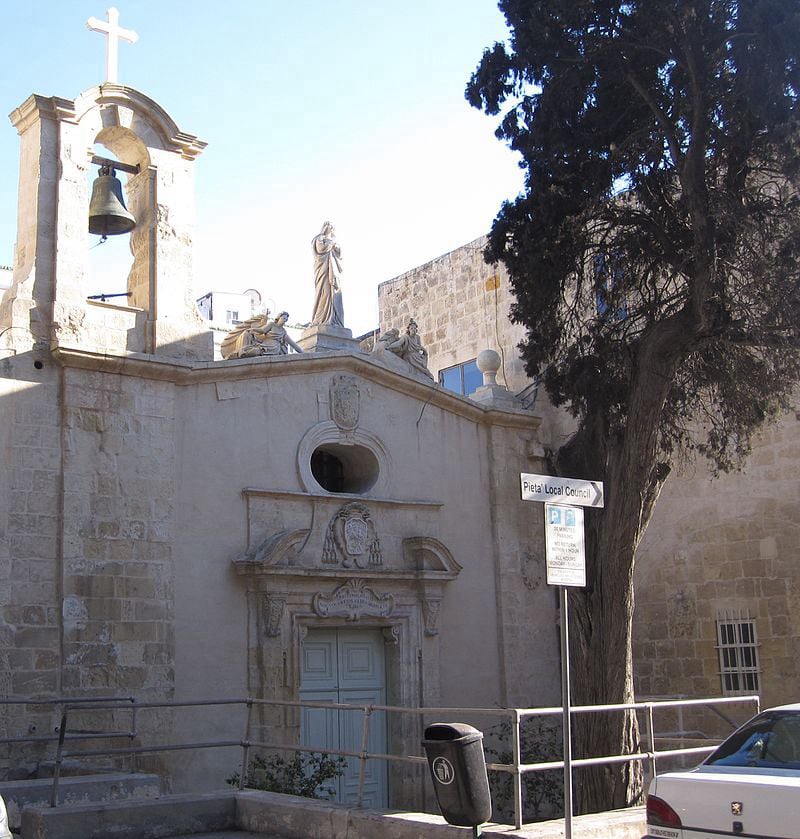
pixel 305 774
pixel 542 792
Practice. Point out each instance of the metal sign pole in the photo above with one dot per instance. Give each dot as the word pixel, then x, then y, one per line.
pixel 565 556
pixel 566 724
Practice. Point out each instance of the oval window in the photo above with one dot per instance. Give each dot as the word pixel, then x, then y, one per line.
pixel 338 468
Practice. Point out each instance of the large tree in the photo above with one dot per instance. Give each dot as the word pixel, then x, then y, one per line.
pixel 653 255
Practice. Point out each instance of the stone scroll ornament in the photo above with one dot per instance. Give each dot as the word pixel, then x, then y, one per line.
pixel 352 601
pixel 273 614
pixel 345 402
pixel 351 539
pixel 430 615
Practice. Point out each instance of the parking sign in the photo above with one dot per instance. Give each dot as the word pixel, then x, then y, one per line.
pixel 564 545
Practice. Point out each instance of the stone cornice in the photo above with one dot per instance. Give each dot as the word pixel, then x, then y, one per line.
pixel 187 145
pixel 185 373
pixel 313 575
pixel 41 107
pixel 339 497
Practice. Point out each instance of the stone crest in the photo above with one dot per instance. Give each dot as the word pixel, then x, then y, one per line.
pixel 345 402
pixel 351 539
pixel 531 570
pixel 352 601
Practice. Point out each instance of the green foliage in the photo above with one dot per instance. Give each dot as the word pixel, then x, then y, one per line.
pixel 660 137
pixel 542 792
pixel 304 774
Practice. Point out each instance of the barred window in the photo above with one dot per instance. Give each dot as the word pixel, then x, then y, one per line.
pixel 738 653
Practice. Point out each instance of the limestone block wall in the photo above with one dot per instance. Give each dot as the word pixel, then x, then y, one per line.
pixel 114 329
pixel 86 533
pixel 119 508
pixel 716 545
pixel 461 305
pixel 30 481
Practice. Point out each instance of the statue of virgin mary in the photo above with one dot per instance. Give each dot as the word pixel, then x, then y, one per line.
pixel 328 309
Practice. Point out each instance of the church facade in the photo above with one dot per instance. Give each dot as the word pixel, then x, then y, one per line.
pixel 319 525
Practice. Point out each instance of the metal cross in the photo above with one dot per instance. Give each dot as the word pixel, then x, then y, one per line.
pixel 113 32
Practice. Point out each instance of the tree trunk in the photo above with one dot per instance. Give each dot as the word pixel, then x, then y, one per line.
pixel 601 614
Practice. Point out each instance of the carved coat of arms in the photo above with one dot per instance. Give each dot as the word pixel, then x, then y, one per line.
pixel 352 539
pixel 345 402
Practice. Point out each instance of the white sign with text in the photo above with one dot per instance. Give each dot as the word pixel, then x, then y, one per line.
pixel 564 545
pixel 550 489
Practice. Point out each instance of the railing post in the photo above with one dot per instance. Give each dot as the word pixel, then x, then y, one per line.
pixel 362 766
pixel 133 734
pixel 651 735
pixel 62 733
pixel 517 756
pixel 246 744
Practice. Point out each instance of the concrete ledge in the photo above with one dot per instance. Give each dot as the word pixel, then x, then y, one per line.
pixel 77 789
pixel 301 818
pixel 171 815
pixel 289 817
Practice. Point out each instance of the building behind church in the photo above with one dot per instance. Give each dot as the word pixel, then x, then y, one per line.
pixel 717 586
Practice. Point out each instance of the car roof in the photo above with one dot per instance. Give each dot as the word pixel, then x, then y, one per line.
pixel 795 706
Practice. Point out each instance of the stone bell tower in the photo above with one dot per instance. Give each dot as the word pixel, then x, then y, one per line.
pixel 48 300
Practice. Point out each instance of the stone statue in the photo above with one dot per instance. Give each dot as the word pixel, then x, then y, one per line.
pixel 259 336
pixel 388 337
pixel 328 308
pixel 385 356
pixel 408 347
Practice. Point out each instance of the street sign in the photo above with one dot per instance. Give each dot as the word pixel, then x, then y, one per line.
pixel 564 545
pixel 565 557
pixel 552 490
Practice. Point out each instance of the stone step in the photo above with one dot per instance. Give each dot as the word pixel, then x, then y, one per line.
pixel 226 834
pixel 77 789
pixel 169 815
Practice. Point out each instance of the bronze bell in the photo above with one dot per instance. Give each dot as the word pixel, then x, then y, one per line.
pixel 108 215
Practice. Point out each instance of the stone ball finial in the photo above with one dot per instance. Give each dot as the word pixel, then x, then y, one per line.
pixel 488 362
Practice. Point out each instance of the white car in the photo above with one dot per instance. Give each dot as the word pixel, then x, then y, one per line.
pixel 749 787
pixel 5 833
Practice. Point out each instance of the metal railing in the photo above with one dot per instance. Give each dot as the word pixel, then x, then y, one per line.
pixel 515 716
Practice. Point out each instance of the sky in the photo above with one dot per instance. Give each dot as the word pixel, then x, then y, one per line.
pixel 352 112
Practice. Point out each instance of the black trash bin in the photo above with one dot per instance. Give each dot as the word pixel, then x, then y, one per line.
pixel 458 768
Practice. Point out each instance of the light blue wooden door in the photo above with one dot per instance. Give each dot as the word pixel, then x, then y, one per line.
pixel 346 665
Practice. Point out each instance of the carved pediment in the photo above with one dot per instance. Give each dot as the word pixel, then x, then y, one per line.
pixel 278 550
pixel 426 554
pixel 352 551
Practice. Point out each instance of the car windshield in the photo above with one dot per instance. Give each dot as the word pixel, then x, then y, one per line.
pixel 770 740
